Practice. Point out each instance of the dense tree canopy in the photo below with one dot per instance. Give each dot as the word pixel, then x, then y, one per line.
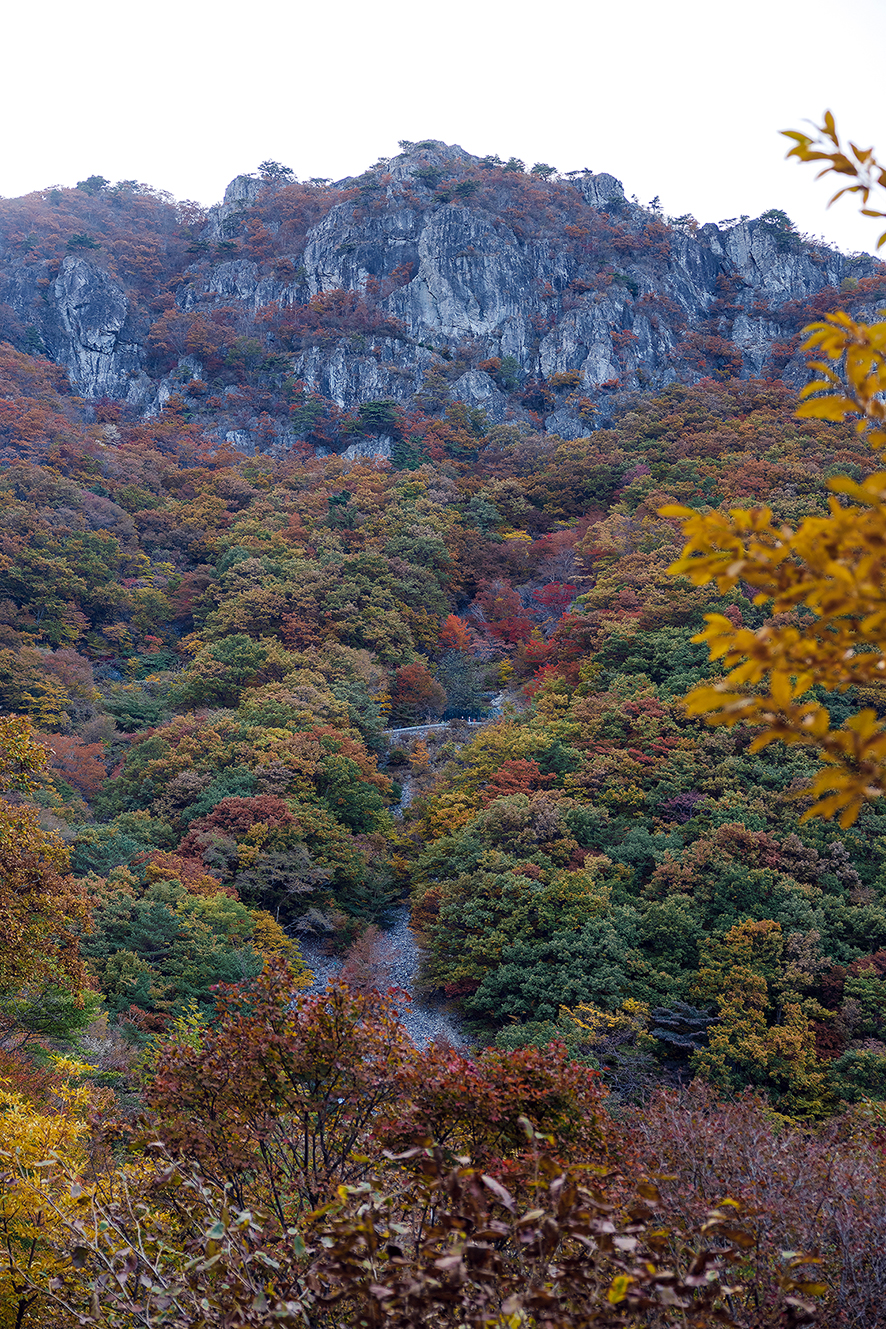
pixel 255 703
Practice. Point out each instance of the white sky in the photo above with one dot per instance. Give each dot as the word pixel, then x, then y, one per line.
pixel 679 98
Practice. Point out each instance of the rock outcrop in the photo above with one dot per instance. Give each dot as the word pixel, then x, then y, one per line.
pixel 92 334
pixel 525 298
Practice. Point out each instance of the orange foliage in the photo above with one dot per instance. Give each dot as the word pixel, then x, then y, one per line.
pixel 162 866
pixel 80 764
pixel 454 635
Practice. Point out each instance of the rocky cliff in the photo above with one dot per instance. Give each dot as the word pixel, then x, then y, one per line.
pixel 436 277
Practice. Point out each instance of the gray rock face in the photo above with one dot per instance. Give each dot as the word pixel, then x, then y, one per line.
pixel 476 282
pixel 240 195
pixel 349 376
pixel 91 336
pixel 342 254
pixel 565 425
pixel 604 298
pixel 477 389
pixel 472 279
pixel 226 283
pixel 366 448
pixel 601 190
pixel 83 321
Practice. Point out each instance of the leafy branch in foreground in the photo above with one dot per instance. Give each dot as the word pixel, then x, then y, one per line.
pixel 424 1244
pixel 828 575
pixel 832 567
pixel 858 164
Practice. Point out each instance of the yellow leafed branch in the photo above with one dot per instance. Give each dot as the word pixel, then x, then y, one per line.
pixel 829 574
pixel 849 160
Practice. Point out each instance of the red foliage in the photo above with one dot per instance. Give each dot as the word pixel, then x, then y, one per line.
pixel 139 235
pixel 330 315
pixel 516 776
pixel 574 639
pixel 479 1100
pixel 533 657
pixel 190 590
pixel 38 418
pixel 304 1090
pixel 235 817
pixel 557 595
pixel 702 350
pixel 415 694
pixel 280 219
pixel 500 609
pixel 238 814
pixel 191 332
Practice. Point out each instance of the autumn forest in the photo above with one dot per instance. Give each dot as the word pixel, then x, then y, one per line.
pixel 321 613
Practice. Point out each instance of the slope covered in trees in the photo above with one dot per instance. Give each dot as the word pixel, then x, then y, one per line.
pixel 210 646
pixel 288 522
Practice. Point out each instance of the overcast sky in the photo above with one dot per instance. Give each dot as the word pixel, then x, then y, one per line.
pixel 678 98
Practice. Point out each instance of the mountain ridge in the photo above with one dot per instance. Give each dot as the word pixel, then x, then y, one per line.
pixel 434 278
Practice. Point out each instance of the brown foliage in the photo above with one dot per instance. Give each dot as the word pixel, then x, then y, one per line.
pixel 429 1245
pixel 823 1193
pixel 368 962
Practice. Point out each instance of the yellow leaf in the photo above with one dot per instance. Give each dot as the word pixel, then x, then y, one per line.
pixel 780 688
pixel 619 1289
pixel 826 408
pixel 813 1289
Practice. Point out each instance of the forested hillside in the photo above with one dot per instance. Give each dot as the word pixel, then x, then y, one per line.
pixel 335 460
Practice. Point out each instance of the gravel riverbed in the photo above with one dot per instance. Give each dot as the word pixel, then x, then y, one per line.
pixel 400 955
pixel 424 1021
